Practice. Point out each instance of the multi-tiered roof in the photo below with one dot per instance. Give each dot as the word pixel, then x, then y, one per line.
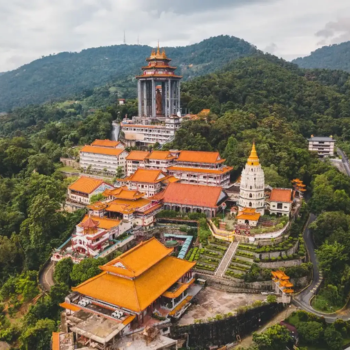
pixel 158 66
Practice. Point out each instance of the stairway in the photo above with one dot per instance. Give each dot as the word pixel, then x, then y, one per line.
pixel 230 252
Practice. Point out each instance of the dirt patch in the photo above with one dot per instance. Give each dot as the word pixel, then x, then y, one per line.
pixel 212 302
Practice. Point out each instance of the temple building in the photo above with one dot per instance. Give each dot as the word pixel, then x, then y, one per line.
pixel 135 160
pixel 93 236
pixel 202 168
pixel 281 201
pixel 161 160
pixel 159 113
pixel 252 189
pixel 158 87
pixel 147 181
pixel 188 198
pixel 324 146
pixel 128 206
pixel 103 157
pixel 144 287
pixel 84 188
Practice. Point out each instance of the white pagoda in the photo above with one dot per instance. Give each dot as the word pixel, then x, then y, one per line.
pixel 252 194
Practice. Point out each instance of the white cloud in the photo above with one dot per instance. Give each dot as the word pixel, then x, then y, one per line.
pixel 286 28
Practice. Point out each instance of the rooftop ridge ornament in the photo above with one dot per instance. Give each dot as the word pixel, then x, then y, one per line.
pixel 253 158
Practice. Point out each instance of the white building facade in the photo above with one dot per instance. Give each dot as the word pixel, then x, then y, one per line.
pixel 102 159
pixel 252 191
pixel 324 146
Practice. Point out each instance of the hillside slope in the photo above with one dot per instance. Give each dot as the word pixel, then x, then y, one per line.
pixel 65 74
pixel 330 57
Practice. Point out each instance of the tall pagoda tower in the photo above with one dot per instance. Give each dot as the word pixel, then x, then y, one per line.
pixel 252 192
pixel 158 87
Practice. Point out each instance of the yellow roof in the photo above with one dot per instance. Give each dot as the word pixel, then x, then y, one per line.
pixel 178 292
pixel 70 307
pixel 138 259
pixel 86 184
pixel 253 158
pixel 280 275
pixel 136 294
pixel 249 214
pixel 55 341
pixel 103 223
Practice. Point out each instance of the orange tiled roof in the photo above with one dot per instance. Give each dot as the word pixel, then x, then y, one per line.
pixel 224 170
pixel 125 206
pixel 200 157
pixel 171 179
pixel 103 223
pixel 123 193
pixel 281 195
pixel 105 143
pixel 249 214
pixel 147 176
pixel 137 155
pixel 138 293
pixel 102 150
pixel 197 195
pixel 86 184
pixel 161 155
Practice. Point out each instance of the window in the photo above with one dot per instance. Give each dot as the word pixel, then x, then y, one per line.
pixel 250 195
pixel 250 204
pixel 279 205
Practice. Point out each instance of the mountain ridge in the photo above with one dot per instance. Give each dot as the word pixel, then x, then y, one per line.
pixel 335 57
pixel 56 77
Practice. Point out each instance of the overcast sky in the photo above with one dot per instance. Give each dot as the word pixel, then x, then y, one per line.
pixel 286 28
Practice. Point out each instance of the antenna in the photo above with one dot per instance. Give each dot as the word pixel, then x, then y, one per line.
pixel 124 38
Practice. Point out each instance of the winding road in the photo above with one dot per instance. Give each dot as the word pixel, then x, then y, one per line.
pixel 46 277
pixel 303 299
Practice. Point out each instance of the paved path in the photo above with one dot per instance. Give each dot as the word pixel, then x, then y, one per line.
pixel 230 252
pixel 46 277
pixel 345 160
pixel 303 300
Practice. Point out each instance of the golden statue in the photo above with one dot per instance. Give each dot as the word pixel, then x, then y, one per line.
pixel 159 102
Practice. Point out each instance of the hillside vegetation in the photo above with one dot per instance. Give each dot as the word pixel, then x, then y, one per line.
pixel 330 57
pixel 257 98
pixel 68 73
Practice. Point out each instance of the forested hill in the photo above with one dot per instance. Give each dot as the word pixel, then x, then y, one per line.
pixel 330 57
pixel 65 74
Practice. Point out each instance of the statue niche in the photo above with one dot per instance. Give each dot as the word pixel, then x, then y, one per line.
pixel 159 102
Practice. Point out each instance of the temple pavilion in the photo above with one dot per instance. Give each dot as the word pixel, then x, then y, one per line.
pixel 145 286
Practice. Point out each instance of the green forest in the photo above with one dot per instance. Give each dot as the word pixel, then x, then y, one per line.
pixel 67 74
pixel 335 56
pixel 257 98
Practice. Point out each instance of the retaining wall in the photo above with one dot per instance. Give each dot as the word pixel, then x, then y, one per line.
pixel 219 333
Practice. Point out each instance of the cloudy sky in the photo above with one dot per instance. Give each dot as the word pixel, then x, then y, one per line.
pixel 287 28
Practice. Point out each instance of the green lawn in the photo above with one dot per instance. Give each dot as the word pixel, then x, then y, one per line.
pixel 68 169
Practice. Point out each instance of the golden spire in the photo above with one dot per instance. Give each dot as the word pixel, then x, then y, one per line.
pixel 158 50
pixel 253 158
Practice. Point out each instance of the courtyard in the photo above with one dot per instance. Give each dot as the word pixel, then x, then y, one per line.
pixel 212 302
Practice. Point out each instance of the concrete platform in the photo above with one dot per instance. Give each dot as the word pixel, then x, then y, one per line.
pixel 211 302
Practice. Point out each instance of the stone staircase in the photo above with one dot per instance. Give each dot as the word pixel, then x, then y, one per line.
pixel 230 252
